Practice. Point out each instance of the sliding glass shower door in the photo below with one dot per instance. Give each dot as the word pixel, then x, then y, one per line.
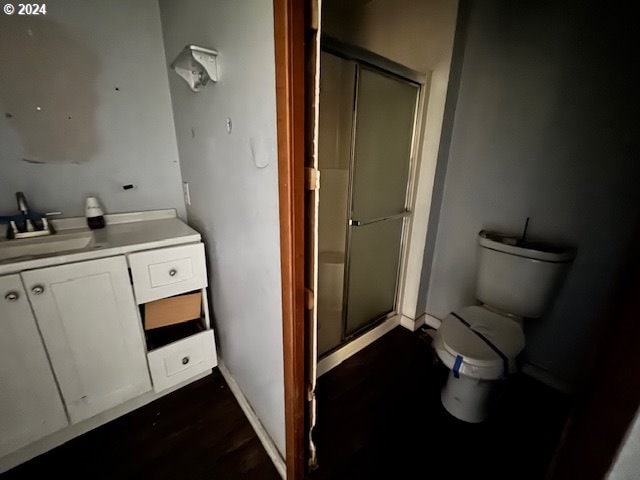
pixel 385 113
pixel 367 120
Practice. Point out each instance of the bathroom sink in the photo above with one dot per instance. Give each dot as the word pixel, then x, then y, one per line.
pixel 44 246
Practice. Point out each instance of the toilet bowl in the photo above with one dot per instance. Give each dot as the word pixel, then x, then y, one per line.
pixel 479 347
pixel 479 344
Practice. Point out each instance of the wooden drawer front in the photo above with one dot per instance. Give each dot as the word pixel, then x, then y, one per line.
pixel 182 360
pixel 168 271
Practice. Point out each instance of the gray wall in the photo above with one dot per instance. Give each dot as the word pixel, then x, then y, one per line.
pixel 97 72
pixel 234 187
pixel 542 129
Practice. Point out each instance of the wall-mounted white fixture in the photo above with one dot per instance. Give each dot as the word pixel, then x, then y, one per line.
pixel 197 65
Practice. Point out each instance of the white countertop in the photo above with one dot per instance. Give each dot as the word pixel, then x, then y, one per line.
pixel 123 233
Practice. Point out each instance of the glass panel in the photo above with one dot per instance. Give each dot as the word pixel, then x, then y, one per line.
pixel 334 149
pixel 384 128
pixel 374 256
pixel 336 111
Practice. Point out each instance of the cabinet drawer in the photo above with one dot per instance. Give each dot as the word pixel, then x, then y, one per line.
pixel 168 271
pixel 182 360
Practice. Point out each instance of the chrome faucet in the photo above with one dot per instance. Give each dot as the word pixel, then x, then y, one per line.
pixel 23 206
pixel 27 223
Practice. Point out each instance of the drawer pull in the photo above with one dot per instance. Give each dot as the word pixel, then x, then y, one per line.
pixel 37 290
pixel 173 272
pixel 12 296
pixel 185 360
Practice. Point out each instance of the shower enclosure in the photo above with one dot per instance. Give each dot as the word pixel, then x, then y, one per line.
pixel 366 137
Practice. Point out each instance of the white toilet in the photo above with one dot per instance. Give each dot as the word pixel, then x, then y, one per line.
pixel 516 280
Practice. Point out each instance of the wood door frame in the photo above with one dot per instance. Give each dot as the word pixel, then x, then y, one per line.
pixel 290 17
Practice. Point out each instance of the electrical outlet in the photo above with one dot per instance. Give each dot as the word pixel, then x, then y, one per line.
pixel 185 191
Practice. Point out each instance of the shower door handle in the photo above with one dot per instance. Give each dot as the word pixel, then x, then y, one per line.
pixel 360 223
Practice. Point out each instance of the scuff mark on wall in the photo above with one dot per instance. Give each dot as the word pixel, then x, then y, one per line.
pixel 35 162
pixel 47 83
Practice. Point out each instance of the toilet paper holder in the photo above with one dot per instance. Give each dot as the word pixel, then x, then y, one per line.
pixel 197 66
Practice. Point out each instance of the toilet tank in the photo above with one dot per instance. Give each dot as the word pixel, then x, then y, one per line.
pixel 520 278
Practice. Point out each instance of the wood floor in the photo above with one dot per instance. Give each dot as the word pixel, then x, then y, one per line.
pixel 380 417
pixel 197 432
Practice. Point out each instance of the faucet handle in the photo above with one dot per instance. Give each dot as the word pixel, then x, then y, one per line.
pixel 45 222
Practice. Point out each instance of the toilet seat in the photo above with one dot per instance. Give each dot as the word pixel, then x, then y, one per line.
pixel 477 357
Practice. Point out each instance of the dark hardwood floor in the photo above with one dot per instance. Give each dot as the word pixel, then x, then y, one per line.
pixel 379 416
pixel 197 432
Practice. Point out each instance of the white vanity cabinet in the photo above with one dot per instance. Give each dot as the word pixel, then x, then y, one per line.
pixel 30 404
pixel 89 323
pixel 74 352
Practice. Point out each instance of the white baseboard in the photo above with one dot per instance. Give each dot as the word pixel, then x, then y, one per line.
pixel 411 324
pixel 262 434
pixel 547 378
pixel 424 319
pixel 336 358
pixel 432 321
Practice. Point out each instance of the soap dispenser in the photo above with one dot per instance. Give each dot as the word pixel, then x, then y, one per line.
pixel 94 214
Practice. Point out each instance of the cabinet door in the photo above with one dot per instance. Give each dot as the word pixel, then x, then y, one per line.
pixel 91 329
pixel 30 404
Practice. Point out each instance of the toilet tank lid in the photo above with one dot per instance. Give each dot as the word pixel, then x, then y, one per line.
pixel 513 245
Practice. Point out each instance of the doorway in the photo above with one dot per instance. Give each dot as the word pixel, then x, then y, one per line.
pixel 368 111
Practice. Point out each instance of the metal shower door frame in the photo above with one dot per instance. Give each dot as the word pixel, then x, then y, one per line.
pixel 380 65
